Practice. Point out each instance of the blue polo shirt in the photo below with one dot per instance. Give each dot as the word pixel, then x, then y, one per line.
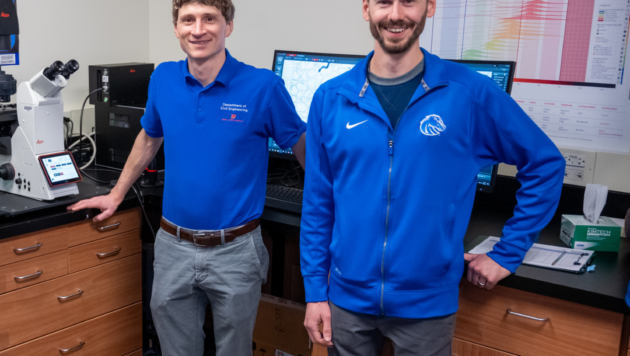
pixel 215 140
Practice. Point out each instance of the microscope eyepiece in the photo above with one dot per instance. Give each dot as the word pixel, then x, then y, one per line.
pixel 69 68
pixel 54 69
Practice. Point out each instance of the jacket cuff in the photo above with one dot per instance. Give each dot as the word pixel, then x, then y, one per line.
pixel 509 261
pixel 316 288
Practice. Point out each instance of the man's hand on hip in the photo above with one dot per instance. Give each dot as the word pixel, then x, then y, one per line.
pixel 483 271
pixel 317 313
pixel 106 203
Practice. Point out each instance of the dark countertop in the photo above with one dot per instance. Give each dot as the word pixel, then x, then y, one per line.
pixel 20 215
pixel 605 288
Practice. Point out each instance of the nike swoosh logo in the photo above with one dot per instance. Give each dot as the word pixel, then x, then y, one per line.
pixel 348 126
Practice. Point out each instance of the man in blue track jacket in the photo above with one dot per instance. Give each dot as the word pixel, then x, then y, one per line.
pixel 393 151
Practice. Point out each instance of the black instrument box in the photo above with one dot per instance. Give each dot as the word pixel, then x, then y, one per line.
pixel 118 110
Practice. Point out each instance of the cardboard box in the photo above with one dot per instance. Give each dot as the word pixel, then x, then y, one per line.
pixel 280 328
pixel 580 234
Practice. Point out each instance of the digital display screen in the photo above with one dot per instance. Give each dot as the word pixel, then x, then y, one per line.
pixel 60 169
pixel 500 73
pixel 484 178
pixel 303 73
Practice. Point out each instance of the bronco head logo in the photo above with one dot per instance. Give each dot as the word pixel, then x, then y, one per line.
pixel 432 125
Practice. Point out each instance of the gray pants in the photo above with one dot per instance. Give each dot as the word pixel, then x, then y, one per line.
pixel 187 277
pixel 355 334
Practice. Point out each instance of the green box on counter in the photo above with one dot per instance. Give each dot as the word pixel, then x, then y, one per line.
pixel 581 234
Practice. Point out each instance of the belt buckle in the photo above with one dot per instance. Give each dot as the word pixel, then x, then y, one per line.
pixel 195 239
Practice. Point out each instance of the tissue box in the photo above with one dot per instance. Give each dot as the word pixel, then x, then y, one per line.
pixel 581 234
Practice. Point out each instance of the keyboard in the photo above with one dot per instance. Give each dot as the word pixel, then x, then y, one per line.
pixel 285 198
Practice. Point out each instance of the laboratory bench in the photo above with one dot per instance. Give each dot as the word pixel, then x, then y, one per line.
pixel 65 281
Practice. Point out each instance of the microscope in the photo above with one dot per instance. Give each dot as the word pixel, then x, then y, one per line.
pixel 33 161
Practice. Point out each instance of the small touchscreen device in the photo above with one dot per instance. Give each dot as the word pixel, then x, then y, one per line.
pixel 60 169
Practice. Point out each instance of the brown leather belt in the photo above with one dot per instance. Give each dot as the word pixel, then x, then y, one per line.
pixel 209 238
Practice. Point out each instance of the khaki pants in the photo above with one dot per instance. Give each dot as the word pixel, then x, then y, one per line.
pixel 188 277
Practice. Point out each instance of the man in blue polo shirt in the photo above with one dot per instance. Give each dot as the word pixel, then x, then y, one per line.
pixel 215 116
pixel 394 149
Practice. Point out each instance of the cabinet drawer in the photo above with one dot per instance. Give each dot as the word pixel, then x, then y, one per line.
pixel 38 310
pixel 135 353
pixel 36 270
pixel 27 246
pixel 104 250
pixel 113 334
pixel 465 348
pixel 571 329
pixel 87 231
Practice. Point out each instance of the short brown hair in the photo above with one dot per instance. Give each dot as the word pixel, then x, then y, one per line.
pixel 226 7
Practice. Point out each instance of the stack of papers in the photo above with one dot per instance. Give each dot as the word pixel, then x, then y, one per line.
pixel 560 258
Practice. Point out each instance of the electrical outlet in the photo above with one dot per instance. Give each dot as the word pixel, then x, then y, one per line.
pixel 580 168
pixel 575 160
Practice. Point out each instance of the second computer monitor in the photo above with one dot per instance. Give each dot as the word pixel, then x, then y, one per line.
pixel 303 73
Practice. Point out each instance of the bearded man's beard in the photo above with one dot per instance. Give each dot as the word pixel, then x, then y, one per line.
pixel 400 46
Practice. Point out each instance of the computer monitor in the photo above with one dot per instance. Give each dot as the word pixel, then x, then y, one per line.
pixel 303 73
pixel 502 72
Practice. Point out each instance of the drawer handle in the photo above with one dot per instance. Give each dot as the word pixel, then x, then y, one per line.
pixel 76 348
pixel 29 277
pixel 108 254
pixel 108 227
pixel 75 295
pixel 27 249
pixel 509 311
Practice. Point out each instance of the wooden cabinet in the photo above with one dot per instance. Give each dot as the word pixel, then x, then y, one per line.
pixel 115 333
pixel 87 231
pixel 529 324
pixel 497 323
pixel 70 292
pixel 323 351
pixel 37 270
pixel 105 250
pixel 53 305
pixel 25 247
pixel 465 348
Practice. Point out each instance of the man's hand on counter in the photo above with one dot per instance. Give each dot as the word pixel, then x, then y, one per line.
pixel 107 203
pixel 483 271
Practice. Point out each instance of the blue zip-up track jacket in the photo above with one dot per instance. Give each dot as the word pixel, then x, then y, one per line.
pixel 385 211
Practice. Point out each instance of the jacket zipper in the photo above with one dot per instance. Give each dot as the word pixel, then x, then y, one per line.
pixel 389 200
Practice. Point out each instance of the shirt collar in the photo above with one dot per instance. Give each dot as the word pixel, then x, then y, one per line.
pixel 225 74
pixel 434 73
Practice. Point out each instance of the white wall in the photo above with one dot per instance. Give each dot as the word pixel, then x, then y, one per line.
pixel 90 31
